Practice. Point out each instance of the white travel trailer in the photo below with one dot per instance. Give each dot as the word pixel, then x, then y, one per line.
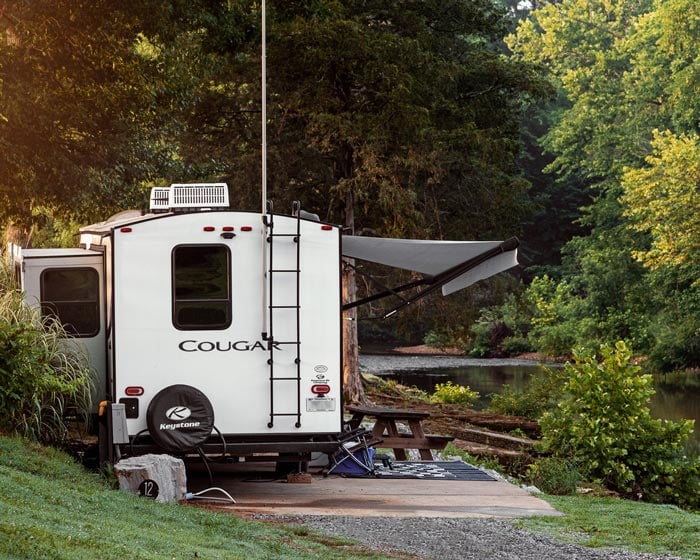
pixel 213 331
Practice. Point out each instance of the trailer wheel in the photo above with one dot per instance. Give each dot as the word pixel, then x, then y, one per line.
pixel 180 418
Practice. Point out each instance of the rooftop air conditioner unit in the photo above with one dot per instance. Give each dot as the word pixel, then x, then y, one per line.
pixel 189 196
pixel 202 195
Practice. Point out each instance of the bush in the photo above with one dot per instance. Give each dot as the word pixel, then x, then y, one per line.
pixel 393 388
pixel 489 335
pixel 554 475
pixel 454 394
pixel 603 423
pixel 514 345
pixel 676 340
pixel 449 337
pixel 542 394
pixel 41 373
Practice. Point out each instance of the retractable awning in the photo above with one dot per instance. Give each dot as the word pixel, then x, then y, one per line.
pixel 446 265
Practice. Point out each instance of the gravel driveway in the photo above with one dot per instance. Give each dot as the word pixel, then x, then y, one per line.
pixel 460 539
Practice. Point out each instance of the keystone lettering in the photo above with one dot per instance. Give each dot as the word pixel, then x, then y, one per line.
pixel 223 346
pixel 179 425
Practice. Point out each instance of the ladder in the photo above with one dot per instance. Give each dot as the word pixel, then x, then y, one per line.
pixel 273 344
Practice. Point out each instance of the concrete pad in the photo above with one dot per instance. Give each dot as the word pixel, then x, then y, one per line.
pixel 366 497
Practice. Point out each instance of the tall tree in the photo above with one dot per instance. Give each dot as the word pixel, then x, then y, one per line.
pixel 86 108
pixel 400 118
pixel 662 200
pixel 396 117
pixel 626 68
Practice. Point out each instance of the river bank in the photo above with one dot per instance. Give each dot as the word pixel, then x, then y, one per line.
pixel 677 394
pixel 425 350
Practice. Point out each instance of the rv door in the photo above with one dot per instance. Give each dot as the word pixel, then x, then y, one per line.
pixel 68 284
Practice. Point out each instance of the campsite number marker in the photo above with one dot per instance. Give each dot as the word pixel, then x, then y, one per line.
pixel 148 489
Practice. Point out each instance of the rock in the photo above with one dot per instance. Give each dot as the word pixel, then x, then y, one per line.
pixel 160 477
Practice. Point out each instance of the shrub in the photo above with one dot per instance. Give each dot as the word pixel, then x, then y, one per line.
pixel 448 337
pixel 393 388
pixel 554 475
pixel 41 373
pixel 541 394
pixel 677 340
pixel 454 394
pixel 560 320
pixel 603 423
pixel 489 333
pixel 514 345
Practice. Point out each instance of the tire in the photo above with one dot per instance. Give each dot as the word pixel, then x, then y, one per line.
pixel 180 418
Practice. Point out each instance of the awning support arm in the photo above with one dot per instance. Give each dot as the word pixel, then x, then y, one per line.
pixel 439 280
pixel 387 290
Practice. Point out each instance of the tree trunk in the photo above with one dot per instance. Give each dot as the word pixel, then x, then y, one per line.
pixel 19 236
pixel 353 391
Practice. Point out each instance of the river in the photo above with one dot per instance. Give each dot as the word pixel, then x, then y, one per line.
pixel 489 376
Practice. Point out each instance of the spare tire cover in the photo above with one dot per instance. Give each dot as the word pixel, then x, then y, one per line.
pixel 180 418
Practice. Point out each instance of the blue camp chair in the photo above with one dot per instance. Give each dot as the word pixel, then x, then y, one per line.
pixel 355 456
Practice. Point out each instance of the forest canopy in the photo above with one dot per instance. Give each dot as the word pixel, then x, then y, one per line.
pixel 571 123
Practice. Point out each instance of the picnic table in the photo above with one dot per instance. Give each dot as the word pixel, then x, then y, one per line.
pixel 386 430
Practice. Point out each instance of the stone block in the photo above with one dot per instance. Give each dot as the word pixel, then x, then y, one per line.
pixel 160 477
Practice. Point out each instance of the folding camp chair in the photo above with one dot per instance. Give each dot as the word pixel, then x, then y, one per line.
pixel 355 456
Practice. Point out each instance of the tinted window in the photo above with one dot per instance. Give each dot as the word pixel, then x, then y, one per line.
pixel 71 295
pixel 201 280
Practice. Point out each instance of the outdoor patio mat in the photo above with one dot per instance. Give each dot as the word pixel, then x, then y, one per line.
pixel 429 470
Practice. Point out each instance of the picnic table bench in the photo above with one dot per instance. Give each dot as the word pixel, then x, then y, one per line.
pixel 386 430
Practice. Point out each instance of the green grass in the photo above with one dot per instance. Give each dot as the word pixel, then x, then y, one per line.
pixel 52 508
pixel 613 522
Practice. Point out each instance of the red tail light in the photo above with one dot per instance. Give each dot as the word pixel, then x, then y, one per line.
pixel 134 391
pixel 320 389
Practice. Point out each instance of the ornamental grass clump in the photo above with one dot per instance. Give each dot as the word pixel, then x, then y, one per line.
pixel 603 424
pixel 42 373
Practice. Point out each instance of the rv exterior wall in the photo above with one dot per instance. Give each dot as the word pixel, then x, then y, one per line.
pixel 228 361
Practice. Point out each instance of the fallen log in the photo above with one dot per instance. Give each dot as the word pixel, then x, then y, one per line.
pixel 492 421
pixel 493 439
pixel 516 460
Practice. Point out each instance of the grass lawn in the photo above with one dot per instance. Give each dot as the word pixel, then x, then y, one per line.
pixel 52 508
pixel 613 522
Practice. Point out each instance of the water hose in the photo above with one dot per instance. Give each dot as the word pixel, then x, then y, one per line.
pixel 199 496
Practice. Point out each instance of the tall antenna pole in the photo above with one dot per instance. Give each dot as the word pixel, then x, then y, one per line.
pixel 264 108
pixel 265 225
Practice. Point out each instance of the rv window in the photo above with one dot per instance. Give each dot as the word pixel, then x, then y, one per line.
pixel 201 280
pixel 71 295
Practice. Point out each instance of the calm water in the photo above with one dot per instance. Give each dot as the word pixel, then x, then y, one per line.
pixel 489 377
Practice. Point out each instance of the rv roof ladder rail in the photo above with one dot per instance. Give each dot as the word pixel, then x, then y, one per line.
pixel 272 342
